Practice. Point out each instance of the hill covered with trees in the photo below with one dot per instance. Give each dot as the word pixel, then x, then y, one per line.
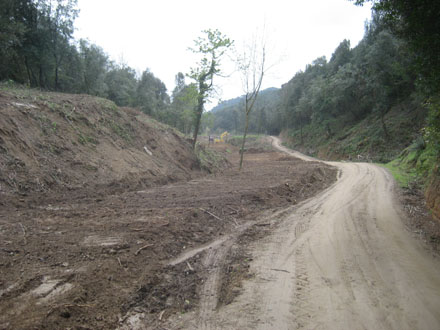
pixel 377 101
pixel 37 49
pixel 229 115
pixel 363 101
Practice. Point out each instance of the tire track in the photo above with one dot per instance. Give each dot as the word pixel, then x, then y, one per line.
pixel 341 260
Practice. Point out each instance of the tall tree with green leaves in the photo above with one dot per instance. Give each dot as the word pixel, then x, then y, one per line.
pixel 211 47
pixel 59 16
pixel 121 85
pixel 94 66
pixel 184 101
pixel 151 95
pixel 417 21
pixel 12 31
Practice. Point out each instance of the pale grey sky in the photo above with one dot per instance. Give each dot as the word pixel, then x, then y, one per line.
pixel 156 34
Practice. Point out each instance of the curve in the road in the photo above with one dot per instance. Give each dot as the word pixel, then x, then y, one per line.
pixel 342 260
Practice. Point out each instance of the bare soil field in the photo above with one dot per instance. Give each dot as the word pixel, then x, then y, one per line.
pixel 95 259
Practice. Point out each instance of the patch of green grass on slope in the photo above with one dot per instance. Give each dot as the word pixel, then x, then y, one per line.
pixel 414 165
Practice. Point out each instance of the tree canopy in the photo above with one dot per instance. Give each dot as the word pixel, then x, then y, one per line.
pixel 211 47
pixel 416 21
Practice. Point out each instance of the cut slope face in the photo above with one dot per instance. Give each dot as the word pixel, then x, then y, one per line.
pixel 51 141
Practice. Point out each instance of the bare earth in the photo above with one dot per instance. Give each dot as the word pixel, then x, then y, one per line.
pixel 278 246
pixel 100 258
pixel 109 221
pixel 340 260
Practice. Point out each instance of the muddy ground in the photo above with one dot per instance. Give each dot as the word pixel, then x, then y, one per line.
pixel 88 259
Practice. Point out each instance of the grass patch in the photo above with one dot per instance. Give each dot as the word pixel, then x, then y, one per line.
pixel 405 177
pixel 253 141
pixel 414 165
pixel 209 159
pixel 237 140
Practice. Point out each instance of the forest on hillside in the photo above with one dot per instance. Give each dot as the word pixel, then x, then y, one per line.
pixel 394 69
pixel 379 83
pixel 37 49
pixel 369 78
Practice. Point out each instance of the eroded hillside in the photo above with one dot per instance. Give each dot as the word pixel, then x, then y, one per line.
pixel 52 142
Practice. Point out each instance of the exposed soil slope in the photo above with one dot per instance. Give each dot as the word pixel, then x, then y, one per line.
pixel 58 142
pixel 433 193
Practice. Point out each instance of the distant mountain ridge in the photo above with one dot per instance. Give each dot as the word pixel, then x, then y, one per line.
pixel 229 114
pixel 236 101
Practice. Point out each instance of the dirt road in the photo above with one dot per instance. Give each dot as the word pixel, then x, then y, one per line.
pixel 341 260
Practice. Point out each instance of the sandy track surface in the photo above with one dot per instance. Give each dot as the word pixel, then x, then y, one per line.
pixel 340 260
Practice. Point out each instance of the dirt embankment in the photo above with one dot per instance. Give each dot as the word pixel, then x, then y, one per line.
pixel 53 142
pixel 433 194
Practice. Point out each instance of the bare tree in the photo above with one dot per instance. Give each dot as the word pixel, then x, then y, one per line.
pixel 252 67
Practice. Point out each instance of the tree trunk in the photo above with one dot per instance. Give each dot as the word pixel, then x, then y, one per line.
pixel 41 79
pixel 198 119
pixel 244 140
pixel 384 126
pixel 56 77
pixel 30 73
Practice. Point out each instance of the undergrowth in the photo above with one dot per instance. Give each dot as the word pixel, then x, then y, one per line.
pixel 415 165
pixel 341 138
pixel 255 141
pixel 209 159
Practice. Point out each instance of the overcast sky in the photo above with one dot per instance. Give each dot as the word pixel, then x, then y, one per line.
pixel 156 34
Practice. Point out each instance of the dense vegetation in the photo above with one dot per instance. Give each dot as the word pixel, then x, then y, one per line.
pixel 319 104
pixel 37 49
pixel 264 119
pixel 370 100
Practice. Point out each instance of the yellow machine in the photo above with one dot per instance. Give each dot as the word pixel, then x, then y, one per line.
pixel 223 138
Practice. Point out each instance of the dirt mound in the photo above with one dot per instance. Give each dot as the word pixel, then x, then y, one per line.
pixel 52 142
